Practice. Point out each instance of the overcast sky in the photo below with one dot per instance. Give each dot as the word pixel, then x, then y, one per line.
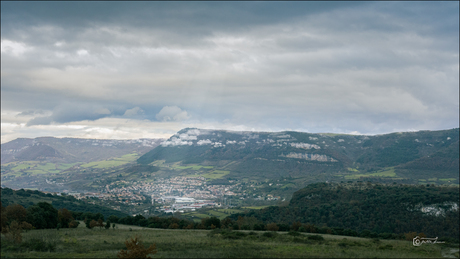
pixel 126 70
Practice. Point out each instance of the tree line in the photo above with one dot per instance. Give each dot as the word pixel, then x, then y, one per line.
pixel 27 198
pixel 383 209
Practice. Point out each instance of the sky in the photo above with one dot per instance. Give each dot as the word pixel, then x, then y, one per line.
pixel 129 70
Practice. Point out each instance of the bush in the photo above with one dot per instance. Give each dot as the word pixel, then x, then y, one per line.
pixel 269 234
pixel 107 224
pixel 294 233
pixel 135 249
pixel 39 245
pixel 272 227
pixel 13 232
pixel 316 237
pixel 259 226
pixel 246 227
pixel 233 235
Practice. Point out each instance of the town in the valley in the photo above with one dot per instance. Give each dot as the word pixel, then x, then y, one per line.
pixel 174 195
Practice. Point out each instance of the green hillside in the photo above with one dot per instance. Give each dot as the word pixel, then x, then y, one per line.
pixel 28 198
pixel 312 158
pixel 379 208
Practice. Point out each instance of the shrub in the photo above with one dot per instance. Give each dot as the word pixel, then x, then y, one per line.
pixel 174 226
pixel 386 247
pixel 135 249
pixel 294 233
pixel 316 237
pixel 246 227
pixel 13 232
pixel 259 226
pixel 233 235
pixel 272 227
pixel 269 234
pixel 39 245
pixel 296 225
pixel 93 223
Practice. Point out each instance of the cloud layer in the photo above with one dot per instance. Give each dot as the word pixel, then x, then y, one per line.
pixel 366 67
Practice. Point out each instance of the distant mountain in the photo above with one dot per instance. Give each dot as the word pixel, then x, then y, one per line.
pixel 71 150
pixel 316 157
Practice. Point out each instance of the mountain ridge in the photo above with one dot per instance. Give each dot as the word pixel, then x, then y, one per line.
pixel 71 150
pixel 297 154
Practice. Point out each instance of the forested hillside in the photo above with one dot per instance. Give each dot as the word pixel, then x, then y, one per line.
pixel 379 208
pixel 28 198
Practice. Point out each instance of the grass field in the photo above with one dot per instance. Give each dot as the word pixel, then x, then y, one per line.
pixel 256 207
pixel 113 162
pixel 101 243
pixel 388 172
pixel 193 167
pixel 32 168
pixel 219 213
pixel 216 174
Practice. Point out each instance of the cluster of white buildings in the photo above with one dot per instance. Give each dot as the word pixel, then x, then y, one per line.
pixel 183 204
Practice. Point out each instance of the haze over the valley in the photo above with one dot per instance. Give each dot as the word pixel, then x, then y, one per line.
pixel 128 70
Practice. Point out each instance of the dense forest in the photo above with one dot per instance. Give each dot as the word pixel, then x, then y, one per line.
pixel 378 208
pixel 28 198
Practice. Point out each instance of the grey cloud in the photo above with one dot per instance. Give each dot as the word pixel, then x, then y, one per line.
pixel 70 113
pixel 367 67
pixel 133 112
pixel 40 121
pixel 172 113
pixel 30 113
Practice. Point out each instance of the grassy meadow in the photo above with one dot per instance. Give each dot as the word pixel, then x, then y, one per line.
pixel 128 158
pixel 219 213
pixel 101 243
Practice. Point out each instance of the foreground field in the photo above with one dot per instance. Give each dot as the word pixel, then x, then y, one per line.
pixel 101 243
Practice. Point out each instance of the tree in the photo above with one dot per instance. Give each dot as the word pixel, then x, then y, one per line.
pixel 208 222
pixel 113 219
pixel 4 218
pixel 100 223
pixel 296 225
pixel 16 212
pixel 93 223
pixel 88 222
pixel 107 224
pixel 135 249
pixel 74 224
pixel 65 217
pixel 272 227
pixel 227 222
pixel 174 226
pixel 42 215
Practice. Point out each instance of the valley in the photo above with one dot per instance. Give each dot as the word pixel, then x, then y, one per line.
pixel 228 168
